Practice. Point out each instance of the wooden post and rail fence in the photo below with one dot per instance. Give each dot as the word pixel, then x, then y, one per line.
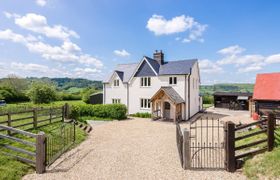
pixel 36 144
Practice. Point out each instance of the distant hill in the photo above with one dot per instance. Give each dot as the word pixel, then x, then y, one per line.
pixel 71 84
pixel 210 89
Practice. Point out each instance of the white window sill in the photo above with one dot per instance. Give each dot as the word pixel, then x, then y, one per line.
pixel 145 86
pixel 145 108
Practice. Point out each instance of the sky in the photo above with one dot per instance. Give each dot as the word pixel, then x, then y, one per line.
pixel 232 40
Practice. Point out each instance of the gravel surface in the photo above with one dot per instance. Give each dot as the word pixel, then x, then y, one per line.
pixel 131 149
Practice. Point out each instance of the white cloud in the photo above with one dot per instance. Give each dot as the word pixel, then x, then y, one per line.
pixel 209 67
pixel 251 68
pixel 67 52
pixel 121 53
pixel 231 50
pixel 41 2
pixel 275 58
pixel 38 24
pixel 161 26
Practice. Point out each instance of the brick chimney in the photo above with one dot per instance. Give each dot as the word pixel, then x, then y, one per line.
pixel 159 57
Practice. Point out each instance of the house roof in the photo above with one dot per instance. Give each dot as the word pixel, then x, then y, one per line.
pixel 171 93
pixel 267 87
pixel 126 69
pixel 233 94
pixel 168 68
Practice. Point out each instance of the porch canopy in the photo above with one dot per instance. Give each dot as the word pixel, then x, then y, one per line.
pixel 167 104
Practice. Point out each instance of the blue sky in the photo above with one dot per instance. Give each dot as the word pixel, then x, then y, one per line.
pixel 233 40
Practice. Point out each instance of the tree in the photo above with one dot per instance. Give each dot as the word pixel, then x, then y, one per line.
pixel 41 92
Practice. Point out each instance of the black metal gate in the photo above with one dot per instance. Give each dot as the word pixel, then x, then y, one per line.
pixel 207 144
pixel 59 141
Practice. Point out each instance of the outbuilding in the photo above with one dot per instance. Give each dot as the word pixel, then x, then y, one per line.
pixel 232 100
pixel 96 98
pixel 267 93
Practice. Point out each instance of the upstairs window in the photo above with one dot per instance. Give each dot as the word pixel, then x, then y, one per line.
pixel 116 101
pixel 145 103
pixel 145 81
pixel 172 80
pixel 116 83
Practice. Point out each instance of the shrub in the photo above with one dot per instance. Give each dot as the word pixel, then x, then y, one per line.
pixel 41 92
pixel 86 94
pixel 208 99
pixel 112 111
pixel 142 115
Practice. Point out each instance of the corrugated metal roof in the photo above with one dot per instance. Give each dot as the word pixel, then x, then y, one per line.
pixel 267 87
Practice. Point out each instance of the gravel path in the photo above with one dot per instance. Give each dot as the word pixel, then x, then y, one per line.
pixel 132 149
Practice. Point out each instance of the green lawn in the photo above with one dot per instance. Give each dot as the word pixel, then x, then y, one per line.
pixel 207 106
pixel 13 169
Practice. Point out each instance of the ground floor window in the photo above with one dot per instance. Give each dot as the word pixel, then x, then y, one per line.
pixel 145 103
pixel 116 101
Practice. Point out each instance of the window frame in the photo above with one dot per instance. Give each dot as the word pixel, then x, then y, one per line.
pixel 116 83
pixel 145 103
pixel 145 81
pixel 173 80
pixel 116 101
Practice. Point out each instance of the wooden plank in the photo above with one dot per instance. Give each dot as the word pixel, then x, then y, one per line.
pixel 3 122
pixel 250 144
pixel 17 140
pixel 13 148
pixel 18 131
pixel 249 135
pixel 21 125
pixel 44 120
pixel 25 160
pixel 19 119
pixel 251 124
pixel 251 153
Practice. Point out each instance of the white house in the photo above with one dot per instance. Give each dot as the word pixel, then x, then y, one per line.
pixel 167 89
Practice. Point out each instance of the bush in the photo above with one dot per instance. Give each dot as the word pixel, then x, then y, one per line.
pixel 112 111
pixel 142 115
pixel 208 99
pixel 86 94
pixel 69 97
pixel 42 93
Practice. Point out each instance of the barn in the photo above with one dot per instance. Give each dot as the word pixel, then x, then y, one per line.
pixel 267 93
pixel 232 100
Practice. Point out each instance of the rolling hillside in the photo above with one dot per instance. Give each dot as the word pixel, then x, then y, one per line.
pixel 210 89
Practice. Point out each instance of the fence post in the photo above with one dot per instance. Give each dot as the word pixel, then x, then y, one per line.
pixel 271 121
pixel 9 122
pixel 40 153
pixel 51 115
pixel 230 146
pixel 66 111
pixel 186 149
pixel 35 118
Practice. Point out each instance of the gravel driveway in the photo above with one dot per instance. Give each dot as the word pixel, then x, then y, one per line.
pixel 131 149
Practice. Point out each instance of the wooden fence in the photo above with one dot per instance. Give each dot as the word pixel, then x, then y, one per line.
pixel 32 119
pixel 32 148
pixel 232 157
pixel 35 157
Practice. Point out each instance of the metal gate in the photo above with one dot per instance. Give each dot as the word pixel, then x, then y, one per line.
pixel 207 144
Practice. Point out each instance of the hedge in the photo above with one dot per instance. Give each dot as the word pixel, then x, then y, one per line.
pixel 113 111
pixel 142 115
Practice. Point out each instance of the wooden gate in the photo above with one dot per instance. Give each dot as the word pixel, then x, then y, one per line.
pixel 207 144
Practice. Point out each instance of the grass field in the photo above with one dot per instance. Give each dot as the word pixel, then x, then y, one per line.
pixel 11 169
pixel 263 165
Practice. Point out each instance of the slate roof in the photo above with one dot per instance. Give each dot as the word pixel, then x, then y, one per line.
pixel 168 68
pixel 233 94
pixel 120 74
pixel 267 87
pixel 126 69
pixel 171 93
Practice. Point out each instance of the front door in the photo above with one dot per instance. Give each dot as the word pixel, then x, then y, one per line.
pixel 167 110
